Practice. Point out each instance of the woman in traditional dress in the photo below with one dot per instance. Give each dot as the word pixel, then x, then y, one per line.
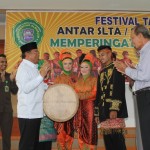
pixel 84 120
pixel 65 130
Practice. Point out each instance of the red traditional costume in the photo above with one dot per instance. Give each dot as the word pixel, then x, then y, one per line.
pixel 85 122
pixel 65 130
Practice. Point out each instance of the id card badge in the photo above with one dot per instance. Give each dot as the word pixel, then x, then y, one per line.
pixel 6 88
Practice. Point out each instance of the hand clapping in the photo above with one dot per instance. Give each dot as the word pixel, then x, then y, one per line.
pixel 120 66
pixel 45 69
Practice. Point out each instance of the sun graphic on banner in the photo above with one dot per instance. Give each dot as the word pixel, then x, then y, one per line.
pixel 54 31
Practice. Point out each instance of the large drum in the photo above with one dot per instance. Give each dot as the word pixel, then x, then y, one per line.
pixel 60 102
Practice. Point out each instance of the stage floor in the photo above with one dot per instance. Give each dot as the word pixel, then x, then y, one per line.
pixel 130 139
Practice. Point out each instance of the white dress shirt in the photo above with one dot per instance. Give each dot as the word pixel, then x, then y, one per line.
pixel 31 91
pixel 141 74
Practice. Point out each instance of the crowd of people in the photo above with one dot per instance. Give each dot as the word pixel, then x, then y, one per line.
pixel 97 65
pixel 99 83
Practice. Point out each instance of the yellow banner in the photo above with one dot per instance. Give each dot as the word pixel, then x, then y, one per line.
pixel 54 31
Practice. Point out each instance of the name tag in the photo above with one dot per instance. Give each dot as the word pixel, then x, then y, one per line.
pixel 6 88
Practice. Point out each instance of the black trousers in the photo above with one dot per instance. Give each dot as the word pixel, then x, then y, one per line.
pixel 6 122
pixel 47 145
pixel 143 105
pixel 29 131
pixel 114 141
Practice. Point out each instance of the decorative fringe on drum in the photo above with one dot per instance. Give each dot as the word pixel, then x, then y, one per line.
pixel 112 131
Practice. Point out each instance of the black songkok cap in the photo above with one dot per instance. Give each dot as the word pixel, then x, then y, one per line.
pixel 28 47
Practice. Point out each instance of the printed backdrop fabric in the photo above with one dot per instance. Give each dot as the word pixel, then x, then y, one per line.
pixel 54 31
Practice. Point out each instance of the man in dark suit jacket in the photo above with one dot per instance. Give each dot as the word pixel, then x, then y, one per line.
pixel 7 86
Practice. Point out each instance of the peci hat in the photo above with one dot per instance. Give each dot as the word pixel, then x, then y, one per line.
pixel 29 46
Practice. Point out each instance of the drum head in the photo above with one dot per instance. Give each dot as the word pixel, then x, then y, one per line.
pixel 60 102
